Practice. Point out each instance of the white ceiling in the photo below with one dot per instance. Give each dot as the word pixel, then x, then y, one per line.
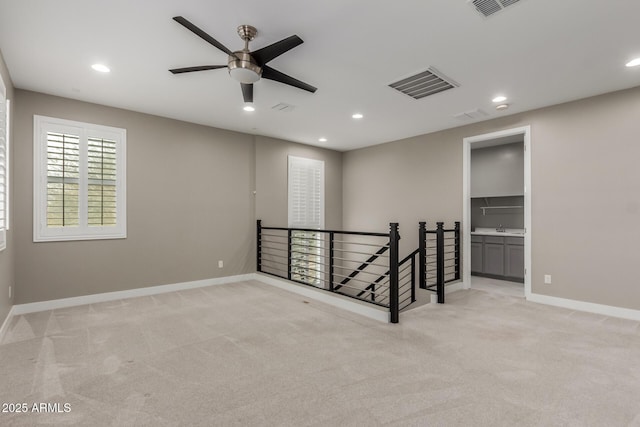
pixel 536 52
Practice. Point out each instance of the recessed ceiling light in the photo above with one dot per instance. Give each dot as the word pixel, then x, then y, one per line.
pixel 502 107
pixel 101 68
pixel 322 139
pixel 357 116
pixel 249 108
pixel 499 98
pixel 633 62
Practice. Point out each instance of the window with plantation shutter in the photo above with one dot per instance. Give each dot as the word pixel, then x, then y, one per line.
pixel 306 210
pixel 79 181
pixel 4 166
pixel 306 193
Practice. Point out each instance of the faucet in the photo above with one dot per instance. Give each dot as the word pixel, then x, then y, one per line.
pixel 500 229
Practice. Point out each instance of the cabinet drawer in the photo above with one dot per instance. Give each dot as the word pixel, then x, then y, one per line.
pixel 514 240
pixel 476 239
pixel 494 239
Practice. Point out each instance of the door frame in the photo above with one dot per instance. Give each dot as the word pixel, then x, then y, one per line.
pixel 466 201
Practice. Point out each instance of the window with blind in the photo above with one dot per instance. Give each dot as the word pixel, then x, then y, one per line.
pixel 306 210
pixel 4 166
pixel 79 180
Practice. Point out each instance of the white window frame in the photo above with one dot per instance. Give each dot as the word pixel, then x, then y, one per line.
pixel 41 233
pixel 5 189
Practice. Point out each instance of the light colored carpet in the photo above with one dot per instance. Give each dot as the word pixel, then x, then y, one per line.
pixel 250 354
pixel 504 287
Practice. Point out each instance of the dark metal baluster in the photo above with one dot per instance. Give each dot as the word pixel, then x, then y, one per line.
pixel 413 278
pixel 259 246
pixel 440 262
pixel 422 247
pixel 394 308
pixel 331 255
pixel 457 249
pixel 289 232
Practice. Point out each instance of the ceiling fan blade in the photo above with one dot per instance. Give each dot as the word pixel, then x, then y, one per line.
pixel 247 91
pixel 266 54
pixel 198 68
pixel 275 75
pixel 197 31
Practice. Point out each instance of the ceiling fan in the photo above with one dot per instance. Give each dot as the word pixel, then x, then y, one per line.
pixel 245 66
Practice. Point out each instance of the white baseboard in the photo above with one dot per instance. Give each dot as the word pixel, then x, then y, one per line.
pixel 5 324
pixel 458 286
pixel 363 309
pixel 130 293
pixel 606 310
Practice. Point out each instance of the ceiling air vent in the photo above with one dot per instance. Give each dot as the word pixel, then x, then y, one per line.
pixel 489 7
pixel 283 107
pixel 471 114
pixel 423 84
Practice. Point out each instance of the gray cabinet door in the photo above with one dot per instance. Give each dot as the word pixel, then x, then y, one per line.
pixel 476 257
pixel 493 259
pixel 514 257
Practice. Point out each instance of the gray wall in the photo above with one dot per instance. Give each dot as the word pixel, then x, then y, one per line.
pixel 416 179
pixel 271 180
pixel 497 171
pixel 509 218
pixel 190 204
pixel 180 221
pixel 7 256
pixel 585 192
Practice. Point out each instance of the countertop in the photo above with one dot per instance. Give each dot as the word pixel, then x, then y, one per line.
pixel 509 232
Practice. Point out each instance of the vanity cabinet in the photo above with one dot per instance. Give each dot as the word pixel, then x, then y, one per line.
pixel 498 257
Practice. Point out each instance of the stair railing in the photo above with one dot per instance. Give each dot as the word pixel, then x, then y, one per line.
pixel 325 259
pixel 439 252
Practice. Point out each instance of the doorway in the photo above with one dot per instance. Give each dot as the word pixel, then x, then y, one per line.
pixel 497 138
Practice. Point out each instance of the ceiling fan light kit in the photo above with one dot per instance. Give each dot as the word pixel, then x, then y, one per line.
pixel 245 66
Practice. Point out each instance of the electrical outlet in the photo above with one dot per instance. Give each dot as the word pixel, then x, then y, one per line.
pixel 220 264
pixel 547 279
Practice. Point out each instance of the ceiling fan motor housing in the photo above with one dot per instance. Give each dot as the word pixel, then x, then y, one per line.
pixel 243 68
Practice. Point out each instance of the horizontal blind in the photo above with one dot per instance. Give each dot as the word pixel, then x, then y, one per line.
pixel 101 172
pixel 63 179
